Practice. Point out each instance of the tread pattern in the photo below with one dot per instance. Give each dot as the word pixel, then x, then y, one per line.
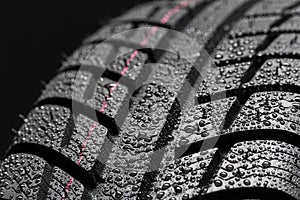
pixel 231 49
pixel 64 85
pixel 21 176
pixel 89 56
pixel 47 126
pixel 133 144
pixel 221 79
pixel 253 25
pixel 182 178
pixel 269 7
pixel 26 176
pixel 260 164
pixel 204 121
pixel 157 15
pixel 282 71
pixel 270 110
pixel 233 136
pixel 287 43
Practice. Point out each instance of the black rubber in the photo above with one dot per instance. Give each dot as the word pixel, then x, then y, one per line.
pixel 240 140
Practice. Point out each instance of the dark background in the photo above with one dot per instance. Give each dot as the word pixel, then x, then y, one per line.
pixel 34 37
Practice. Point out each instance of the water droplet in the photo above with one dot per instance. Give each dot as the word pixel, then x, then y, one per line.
pixel 266 164
pixel 218 183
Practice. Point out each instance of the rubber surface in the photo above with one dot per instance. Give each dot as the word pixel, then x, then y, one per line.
pixel 234 136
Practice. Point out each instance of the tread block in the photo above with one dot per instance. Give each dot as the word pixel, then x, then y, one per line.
pixel 270 7
pixel 108 97
pixel 146 37
pixel 21 176
pixel 290 25
pixel 181 178
pixel 26 176
pixel 236 48
pixel 160 15
pixel 161 10
pixel 121 182
pixel 87 139
pixel 270 110
pixel 149 115
pixel 148 118
pixel 60 187
pixel 140 12
pixel 221 79
pixel 96 56
pixel 108 31
pixel 90 55
pixel 210 19
pixel 278 72
pixel 260 164
pixel 135 65
pixel 69 85
pixel 294 10
pixel 284 44
pixel 253 25
pixel 156 12
pixel 203 121
pixel 44 125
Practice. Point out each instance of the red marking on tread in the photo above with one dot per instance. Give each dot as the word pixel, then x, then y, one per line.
pixel 171 12
pixel 153 30
pixel 83 146
pixel 85 143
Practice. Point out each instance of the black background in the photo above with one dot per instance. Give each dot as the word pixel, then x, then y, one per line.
pixel 34 37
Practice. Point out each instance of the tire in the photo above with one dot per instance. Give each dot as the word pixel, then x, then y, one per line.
pixel 240 140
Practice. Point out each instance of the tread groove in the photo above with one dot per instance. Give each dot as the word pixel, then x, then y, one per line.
pixel 136 23
pixel 46 178
pixel 68 132
pixel 88 111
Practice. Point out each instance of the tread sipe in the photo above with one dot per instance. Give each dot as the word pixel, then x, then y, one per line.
pixel 234 135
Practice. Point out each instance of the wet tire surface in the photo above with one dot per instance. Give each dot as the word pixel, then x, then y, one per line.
pixel 245 105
